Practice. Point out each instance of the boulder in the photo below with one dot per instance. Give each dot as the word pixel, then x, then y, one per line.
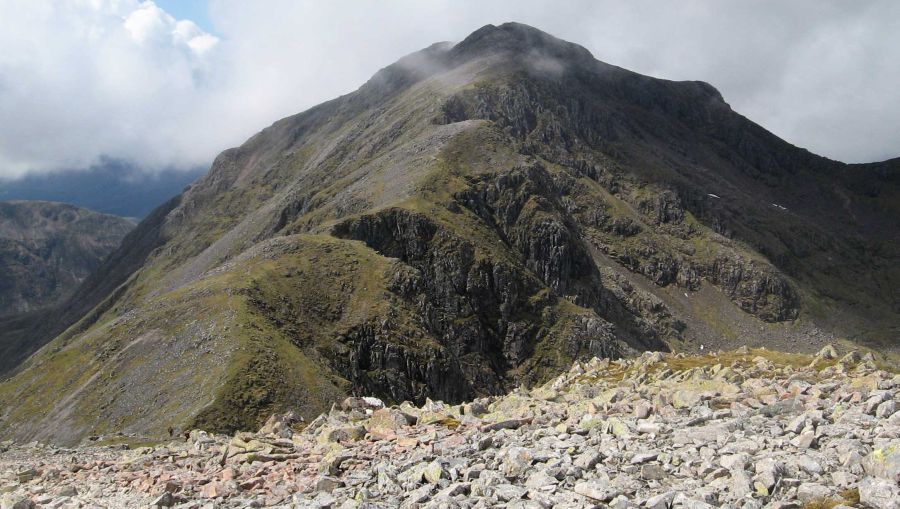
pixel 516 461
pixel 363 404
pixel 430 472
pixel 642 409
pixel 661 501
pixel 886 409
pixel 11 501
pixel 827 352
pixel 879 493
pixel 280 425
pixel 388 419
pixel 807 492
pixel 884 462
pixel 344 434
pixel 596 490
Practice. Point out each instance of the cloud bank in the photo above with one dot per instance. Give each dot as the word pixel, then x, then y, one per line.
pixel 83 80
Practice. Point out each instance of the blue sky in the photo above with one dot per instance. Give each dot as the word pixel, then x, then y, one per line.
pixel 194 10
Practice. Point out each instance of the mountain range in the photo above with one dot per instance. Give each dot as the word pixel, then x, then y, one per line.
pixel 475 217
pixel 111 187
pixel 46 250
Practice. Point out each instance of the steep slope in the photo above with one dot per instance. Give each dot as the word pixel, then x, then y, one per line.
pixel 475 217
pixel 47 249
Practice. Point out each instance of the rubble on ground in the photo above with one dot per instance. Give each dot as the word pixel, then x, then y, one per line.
pixel 745 429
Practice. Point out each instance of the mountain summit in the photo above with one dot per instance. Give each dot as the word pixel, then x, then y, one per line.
pixel 476 216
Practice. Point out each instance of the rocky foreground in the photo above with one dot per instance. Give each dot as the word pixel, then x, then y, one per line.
pixel 743 429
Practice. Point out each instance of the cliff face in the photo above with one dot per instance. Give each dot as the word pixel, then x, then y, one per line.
pixel 47 249
pixel 475 217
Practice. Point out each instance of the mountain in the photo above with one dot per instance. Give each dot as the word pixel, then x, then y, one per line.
pixel 112 187
pixel 475 217
pixel 47 249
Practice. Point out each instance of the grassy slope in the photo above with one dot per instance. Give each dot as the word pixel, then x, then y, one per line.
pixel 207 353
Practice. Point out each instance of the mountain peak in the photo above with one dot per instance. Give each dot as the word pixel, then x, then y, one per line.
pixel 515 41
pixel 519 38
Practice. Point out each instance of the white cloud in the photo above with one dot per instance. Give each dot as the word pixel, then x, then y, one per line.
pixel 81 79
pixel 84 79
pixel 149 24
pixel 186 32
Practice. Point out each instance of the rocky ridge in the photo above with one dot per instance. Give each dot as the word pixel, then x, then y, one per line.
pixel 743 429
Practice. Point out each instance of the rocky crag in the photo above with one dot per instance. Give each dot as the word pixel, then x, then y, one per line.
pixel 745 429
pixel 476 217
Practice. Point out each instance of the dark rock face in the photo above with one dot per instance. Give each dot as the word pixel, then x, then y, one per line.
pixel 548 123
pixel 758 290
pixel 523 205
pixel 756 287
pixel 47 249
pixel 373 359
pixel 529 208
pixel 488 315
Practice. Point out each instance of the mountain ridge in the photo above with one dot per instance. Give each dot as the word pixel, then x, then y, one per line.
pixel 483 218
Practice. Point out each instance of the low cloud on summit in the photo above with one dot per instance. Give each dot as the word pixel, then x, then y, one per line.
pixel 82 80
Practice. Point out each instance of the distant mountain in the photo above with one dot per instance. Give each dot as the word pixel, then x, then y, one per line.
pixel 476 216
pixel 47 249
pixel 111 188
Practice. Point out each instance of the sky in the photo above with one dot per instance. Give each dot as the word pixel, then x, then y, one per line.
pixel 171 83
pixel 194 10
